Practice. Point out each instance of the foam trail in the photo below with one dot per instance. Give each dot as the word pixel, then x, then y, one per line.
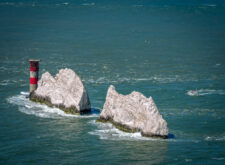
pixel 31 108
pixel 203 92
pixel 212 138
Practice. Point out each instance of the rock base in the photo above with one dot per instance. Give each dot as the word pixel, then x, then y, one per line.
pixel 47 101
pixel 117 125
pixel 128 129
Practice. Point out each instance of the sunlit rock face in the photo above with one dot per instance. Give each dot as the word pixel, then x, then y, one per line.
pixel 133 113
pixel 65 91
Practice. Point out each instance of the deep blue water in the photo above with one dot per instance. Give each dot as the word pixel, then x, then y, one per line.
pixel 163 49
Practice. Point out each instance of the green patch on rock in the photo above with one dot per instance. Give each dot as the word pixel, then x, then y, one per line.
pixel 154 136
pixel 101 120
pixel 46 101
pixel 117 125
pixel 127 129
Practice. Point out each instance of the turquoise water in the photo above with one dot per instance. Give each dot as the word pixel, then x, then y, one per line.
pixel 164 49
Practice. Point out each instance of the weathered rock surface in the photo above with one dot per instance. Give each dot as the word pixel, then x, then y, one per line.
pixel 65 91
pixel 133 113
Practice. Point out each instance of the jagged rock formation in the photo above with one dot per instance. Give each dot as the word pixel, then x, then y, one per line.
pixel 65 91
pixel 133 113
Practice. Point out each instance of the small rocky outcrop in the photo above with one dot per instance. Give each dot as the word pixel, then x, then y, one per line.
pixel 65 91
pixel 133 113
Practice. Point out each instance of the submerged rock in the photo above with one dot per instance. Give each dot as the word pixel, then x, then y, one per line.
pixel 65 91
pixel 133 113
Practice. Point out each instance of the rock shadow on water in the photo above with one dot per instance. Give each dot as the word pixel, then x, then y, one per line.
pixel 171 136
pixel 93 111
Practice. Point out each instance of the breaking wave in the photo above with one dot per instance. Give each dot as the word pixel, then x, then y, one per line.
pixel 31 108
pixel 203 92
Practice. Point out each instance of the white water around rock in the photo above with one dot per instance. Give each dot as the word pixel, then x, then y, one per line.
pixel 65 89
pixel 43 111
pixel 134 111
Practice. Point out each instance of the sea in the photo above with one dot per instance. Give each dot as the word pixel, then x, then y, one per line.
pixel 172 50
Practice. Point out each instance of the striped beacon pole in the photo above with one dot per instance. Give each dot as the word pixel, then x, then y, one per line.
pixel 34 67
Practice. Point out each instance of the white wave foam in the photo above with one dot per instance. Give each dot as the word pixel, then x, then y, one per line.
pixel 203 92
pixel 161 79
pixel 5 82
pixel 3 69
pixel 88 4
pixel 108 132
pixel 192 93
pixel 100 80
pixel 65 3
pixel 210 5
pixel 218 158
pixel 31 108
pixel 62 4
pixel 213 138
pixel 24 93
pixel 188 160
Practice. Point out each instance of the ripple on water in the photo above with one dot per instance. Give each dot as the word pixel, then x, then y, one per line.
pixel 154 79
pixel 8 82
pixel 105 131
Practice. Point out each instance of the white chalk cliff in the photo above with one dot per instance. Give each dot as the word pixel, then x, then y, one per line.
pixel 65 91
pixel 134 113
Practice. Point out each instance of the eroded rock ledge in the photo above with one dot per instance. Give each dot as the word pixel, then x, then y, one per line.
pixel 133 113
pixel 65 91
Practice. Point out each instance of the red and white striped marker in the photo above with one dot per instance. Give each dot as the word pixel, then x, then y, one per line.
pixel 34 67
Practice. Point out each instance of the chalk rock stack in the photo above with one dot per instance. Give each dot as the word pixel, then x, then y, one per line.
pixel 64 91
pixel 133 113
